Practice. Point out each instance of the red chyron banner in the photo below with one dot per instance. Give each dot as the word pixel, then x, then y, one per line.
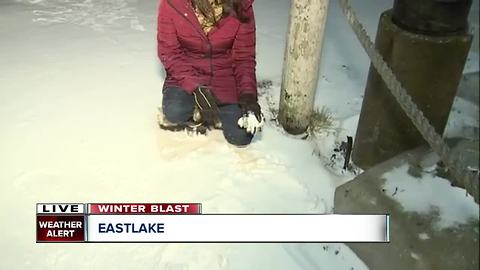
pixel 60 228
pixel 145 208
pixel 67 222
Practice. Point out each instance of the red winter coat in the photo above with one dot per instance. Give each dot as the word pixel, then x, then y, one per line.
pixel 223 59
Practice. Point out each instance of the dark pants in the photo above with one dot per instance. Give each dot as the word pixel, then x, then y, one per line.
pixel 178 108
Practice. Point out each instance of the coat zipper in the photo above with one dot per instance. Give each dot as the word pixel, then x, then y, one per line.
pixel 202 35
pixel 210 56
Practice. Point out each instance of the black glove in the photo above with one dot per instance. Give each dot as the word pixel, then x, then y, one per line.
pixel 248 102
pixel 207 105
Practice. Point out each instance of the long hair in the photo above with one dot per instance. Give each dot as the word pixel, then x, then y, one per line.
pixel 230 7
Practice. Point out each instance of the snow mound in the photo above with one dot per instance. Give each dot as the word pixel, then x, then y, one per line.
pixel 431 194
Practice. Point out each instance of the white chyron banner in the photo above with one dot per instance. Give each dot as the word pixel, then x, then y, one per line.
pixel 238 228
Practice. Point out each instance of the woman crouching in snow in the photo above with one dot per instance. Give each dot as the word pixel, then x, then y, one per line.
pixel 208 50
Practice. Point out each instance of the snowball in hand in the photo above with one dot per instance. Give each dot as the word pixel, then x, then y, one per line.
pixel 250 122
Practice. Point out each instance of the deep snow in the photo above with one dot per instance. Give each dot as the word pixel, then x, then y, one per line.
pixel 79 87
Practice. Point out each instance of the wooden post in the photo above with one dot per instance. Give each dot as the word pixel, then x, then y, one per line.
pixel 426 44
pixel 301 66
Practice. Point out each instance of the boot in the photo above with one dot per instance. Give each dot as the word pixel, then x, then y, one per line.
pixel 189 126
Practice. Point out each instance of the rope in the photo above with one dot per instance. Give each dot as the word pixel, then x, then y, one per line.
pixel 462 176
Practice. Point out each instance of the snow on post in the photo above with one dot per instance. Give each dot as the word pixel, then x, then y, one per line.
pixel 302 59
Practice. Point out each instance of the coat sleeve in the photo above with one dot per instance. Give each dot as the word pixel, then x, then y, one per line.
pixel 244 55
pixel 170 51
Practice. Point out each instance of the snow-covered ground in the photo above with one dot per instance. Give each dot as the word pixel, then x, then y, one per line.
pixel 79 87
pixel 428 194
